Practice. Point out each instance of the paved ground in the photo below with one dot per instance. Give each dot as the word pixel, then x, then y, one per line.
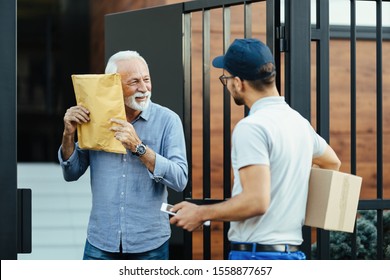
pixel 60 212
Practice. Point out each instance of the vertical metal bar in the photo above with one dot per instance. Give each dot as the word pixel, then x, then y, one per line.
pixel 206 125
pixel 380 237
pixel 287 75
pixel 298 57
pixel 322 68
pixel 322 97
pixel 354 243
pixel 247 20
pixel 353 106
pixel 24 220
pixel 247 31
pixel 379 99
pixel 379 128
pixel 353 86
pixel 206 103
pixel 187 119
pixel 8 179
pixel 226 131
pixel 272 22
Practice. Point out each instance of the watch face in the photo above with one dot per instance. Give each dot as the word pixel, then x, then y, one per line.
pixel 141 149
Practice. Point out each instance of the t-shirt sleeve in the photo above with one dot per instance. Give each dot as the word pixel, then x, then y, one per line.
pixel 252 144
pixel 319 143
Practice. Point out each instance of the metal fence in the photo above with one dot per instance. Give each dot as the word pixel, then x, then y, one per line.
pixel 379 204
pixel 290 39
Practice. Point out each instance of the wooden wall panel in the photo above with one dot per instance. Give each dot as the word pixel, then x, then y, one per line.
pixel 365 108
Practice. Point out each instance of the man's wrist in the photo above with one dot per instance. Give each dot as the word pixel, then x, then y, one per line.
pixel 68 135
pixel 140 150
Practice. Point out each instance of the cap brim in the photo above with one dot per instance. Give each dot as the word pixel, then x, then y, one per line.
pixel 218 62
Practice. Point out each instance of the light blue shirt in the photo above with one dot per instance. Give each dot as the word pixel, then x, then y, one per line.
pixel 126 196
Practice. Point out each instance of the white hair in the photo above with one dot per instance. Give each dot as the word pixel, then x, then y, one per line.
pixel 112 66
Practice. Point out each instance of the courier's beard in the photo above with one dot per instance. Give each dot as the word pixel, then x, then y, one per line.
pixel 237 98
pixel 132 103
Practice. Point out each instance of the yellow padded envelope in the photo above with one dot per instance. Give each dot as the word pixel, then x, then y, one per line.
pixel 102 95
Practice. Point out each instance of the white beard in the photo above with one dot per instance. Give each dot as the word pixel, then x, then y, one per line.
pixel 138 106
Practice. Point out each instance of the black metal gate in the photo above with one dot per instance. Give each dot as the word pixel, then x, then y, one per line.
pixel 291 39
pixel 379 204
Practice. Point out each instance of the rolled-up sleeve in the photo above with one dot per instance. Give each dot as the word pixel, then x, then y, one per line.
pixel 76 165
pixel 171 168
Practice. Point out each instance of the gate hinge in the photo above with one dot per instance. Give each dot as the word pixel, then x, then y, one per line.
pixel 281 37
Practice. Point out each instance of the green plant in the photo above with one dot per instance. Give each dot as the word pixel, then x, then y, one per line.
pixel 366 238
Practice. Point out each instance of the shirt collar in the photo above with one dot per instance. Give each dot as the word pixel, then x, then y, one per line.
pixel 145 114
pixel 265 102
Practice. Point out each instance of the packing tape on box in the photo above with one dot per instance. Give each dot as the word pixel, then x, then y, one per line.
pixel 343 201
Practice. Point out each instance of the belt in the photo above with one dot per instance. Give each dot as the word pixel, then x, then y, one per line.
pixel 263 248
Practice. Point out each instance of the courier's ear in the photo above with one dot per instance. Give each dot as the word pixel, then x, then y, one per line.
pixel 239 84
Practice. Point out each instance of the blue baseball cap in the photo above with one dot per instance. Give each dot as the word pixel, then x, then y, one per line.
pixel 244 58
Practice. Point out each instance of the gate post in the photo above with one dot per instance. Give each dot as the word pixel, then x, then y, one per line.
pixel 8 218
pixel 297 70
pixel 297 23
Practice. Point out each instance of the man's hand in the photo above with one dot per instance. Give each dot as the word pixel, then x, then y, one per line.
pixel 73 116
pixel 125 133
pixel 188 216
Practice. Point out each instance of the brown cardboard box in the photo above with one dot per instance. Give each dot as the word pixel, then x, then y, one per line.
pixel 333 199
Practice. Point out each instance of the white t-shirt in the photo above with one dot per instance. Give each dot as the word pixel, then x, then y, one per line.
pixel 275 135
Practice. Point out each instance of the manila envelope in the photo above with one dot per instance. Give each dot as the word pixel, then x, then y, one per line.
pixel 102 95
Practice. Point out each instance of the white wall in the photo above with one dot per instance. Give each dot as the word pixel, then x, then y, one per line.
pixel 60 212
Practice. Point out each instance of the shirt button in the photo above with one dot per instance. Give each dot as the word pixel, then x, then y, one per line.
pixel 122 193
pixel 122 208
pixel 124 175
pixel 124 159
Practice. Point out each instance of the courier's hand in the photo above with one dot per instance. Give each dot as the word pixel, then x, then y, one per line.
pixel 73 116
pixel 187 216
pixel 125 132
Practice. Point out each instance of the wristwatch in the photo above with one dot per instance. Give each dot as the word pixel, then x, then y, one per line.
pixel 140 150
